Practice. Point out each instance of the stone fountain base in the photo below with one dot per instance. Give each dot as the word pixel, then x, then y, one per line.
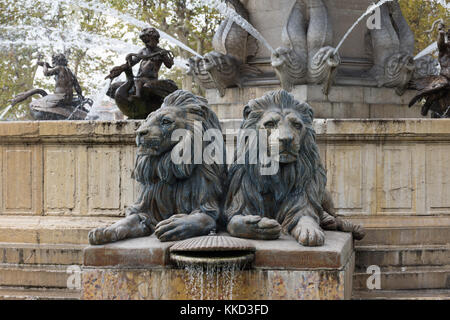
pixel 141 269
pixel 342 102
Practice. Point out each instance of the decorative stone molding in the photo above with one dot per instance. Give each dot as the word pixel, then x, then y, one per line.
pixel 306 55
pixel 227 65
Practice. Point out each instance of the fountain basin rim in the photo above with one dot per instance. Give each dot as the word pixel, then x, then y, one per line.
pixel 213 243
pixel 217 261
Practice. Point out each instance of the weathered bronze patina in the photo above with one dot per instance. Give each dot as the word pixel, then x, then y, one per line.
pixel 436 89
pixel 177 201
pixel 142 94
pixel 60 105
pixel 292 199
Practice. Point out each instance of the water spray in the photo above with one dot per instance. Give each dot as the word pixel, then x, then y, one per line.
pixel 369 10
pixel 239 20
pixel 105 9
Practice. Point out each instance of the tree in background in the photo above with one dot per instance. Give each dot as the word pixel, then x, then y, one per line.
pixel 420 15
pixel 34 30
pixel 190 21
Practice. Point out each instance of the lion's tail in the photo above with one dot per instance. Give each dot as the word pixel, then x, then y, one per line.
pixel 330 221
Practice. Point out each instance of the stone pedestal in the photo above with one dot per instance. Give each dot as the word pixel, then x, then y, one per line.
pixel 282 269
pixel 356 102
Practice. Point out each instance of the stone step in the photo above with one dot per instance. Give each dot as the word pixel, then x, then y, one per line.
pixel 54 254
pixel 402 295
pixel 412 255
pixel 406 278
pixel 22 293
pixel 49 230
pixel 74 230
pixel 400 236
pixel 36 276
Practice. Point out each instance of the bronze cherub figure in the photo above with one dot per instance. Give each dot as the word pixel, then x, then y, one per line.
pixel 60 105
pixel 436 89
pixel 142 94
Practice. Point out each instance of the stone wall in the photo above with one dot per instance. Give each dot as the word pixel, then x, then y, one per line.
pixel 380 172
pixel 356 102
pixel 66 168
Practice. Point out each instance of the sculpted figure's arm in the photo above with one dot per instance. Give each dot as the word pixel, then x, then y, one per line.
pixel 134 58
pixel 131 60
pixel 76 86
pixel 48 71
pixel 441 38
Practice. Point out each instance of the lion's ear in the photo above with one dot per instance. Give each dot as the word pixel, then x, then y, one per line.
pixel 197 110
pixel 247 111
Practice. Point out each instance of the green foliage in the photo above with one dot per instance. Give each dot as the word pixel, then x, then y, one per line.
pixel 189 21
pixel 420 15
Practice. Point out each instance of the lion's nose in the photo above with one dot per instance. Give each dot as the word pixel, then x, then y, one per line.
pixel 286 140
pixel 152 142
pixel 143 133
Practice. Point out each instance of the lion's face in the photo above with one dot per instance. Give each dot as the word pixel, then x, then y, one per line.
pixel 154 135
pixel 286 128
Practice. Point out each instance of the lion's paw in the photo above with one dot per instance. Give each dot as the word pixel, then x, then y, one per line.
pixel 308 233
pixel 101 236
pixel 183 226
pixel 254 227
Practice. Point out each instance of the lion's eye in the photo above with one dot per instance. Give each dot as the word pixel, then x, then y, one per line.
pixel 297 125
pixel 166 122
pixel 269 124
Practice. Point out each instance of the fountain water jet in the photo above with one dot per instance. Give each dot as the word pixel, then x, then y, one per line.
pixel 244 24
pixel 82 39
pixel 210 258
pixel 105 9
pixel 5 111
pixel 369 11
pixel 428 50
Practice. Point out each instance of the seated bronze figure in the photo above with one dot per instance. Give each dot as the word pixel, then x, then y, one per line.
pixel 436 89
pixel 142 94
pixel 60 105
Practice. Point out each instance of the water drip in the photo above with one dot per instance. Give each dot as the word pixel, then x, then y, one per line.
pixel 211 264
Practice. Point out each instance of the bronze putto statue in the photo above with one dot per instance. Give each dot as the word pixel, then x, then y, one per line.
pixel 60 105
pixel 142 94
pixel 436 89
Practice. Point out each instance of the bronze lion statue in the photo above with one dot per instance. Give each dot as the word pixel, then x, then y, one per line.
pixel 176 201
pixel 294 199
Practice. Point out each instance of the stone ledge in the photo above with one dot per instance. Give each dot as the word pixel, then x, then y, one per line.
pixel 283 253
pixel 68 131
pixel 123 132
pixel 49 230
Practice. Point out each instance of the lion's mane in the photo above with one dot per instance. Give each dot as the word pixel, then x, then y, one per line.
pixel 167 188
pixel 296 190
